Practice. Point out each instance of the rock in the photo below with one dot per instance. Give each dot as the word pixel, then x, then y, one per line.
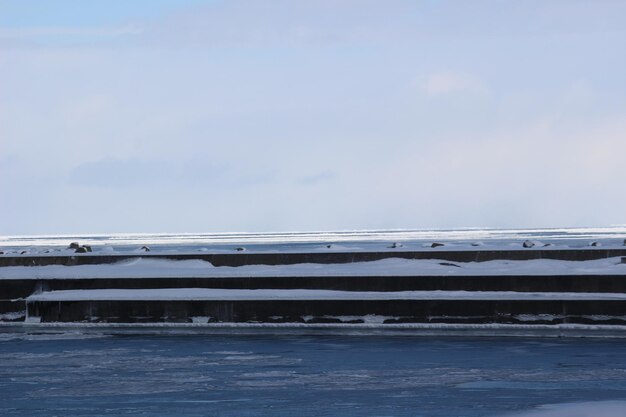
pixel 595 244
pixel 329 246
pixel 547 244
pixel 240 249
pixel 528 244
pixel 396 245
pixel 145 249
pixel 87 248
pixel 435 244
pixel 1 253
pixel 73 245
pixel 477 244
pixel 80 249
pixel 23 252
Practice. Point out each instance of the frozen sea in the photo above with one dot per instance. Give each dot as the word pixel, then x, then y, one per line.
pixel 365 240
pixel 307 374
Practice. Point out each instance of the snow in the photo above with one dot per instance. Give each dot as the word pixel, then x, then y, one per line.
pixel 200 319
pixel 212 294
pixel 289 242
pixel 160 268
pixel 538 317
pixel 368 318
pixel 581 409
pixel 15 315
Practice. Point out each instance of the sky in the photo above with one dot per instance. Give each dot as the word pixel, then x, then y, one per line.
pixel 246 115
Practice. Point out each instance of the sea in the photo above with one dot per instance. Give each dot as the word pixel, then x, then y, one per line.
pixel 69 373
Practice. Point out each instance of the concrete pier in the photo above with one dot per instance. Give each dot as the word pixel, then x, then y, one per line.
pixel 21 299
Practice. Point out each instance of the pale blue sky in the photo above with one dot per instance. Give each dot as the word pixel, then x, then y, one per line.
pixel 150 116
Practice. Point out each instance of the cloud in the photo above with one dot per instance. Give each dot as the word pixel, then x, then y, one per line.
pixel 42 31
pixel 113 172
pixel 326 22
pixel 442 83
pixel 136 172
pixel 317 178
pixel 66 35
pixel 302 115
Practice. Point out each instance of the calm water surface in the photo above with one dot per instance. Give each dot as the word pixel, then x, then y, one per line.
pixel 301 374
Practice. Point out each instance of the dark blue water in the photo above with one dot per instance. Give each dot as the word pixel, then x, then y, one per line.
pixel 301 375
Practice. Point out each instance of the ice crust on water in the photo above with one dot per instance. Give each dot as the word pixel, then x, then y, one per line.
pixel 582 409
pixel 350 238
pixel 161 268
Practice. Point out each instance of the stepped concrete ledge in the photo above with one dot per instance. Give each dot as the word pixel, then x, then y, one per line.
pixel 287 258
pixel 529 287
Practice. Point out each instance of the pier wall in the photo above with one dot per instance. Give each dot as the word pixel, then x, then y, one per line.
pixel 286 258
pixel 331 311
pixel 15 306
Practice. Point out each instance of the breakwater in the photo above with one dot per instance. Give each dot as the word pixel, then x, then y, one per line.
pixel 581 297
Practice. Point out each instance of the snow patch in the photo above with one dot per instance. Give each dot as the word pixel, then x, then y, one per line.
pixel 32 319
pixel 161 268
pixel 15 315
pixel 538 317
pixel 200 319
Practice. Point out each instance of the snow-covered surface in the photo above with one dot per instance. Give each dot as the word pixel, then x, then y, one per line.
pixel 15 315
pixel 367 318
pixel 299 294
pixel 159 268
pixel 357 240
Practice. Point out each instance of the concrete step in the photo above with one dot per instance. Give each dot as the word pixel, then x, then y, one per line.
pixel 20 288
pixel 286 258
pixel 307 308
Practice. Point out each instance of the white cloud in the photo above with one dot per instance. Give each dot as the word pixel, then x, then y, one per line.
pixel 44 32
pixel 226 131
pixel 448 82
